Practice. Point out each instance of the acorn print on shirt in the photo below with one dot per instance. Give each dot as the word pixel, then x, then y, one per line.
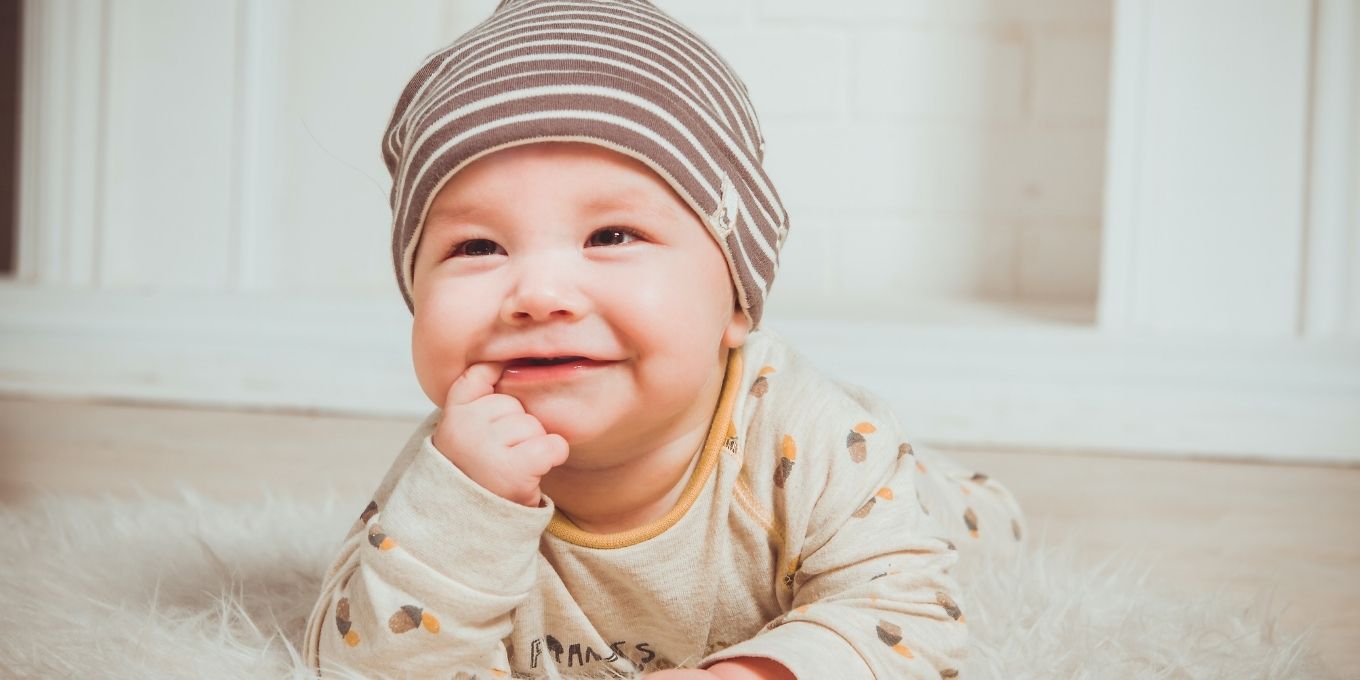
pixel 855 443
pixel 761 385
pixel 970 518
pixel 950 607
pixel 342 623
pixel 788 452
pixel 379 540
pixel 977 478
pixel 369 512
pixel 791 571
pixel 885 493
pixel 410 617
pixel 891 635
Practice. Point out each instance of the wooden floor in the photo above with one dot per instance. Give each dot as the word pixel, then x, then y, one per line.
pixel 1203 524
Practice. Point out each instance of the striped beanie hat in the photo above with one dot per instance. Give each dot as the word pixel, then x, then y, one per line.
pixel 618 73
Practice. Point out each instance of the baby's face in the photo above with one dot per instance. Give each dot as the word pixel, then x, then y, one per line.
pixel 570 249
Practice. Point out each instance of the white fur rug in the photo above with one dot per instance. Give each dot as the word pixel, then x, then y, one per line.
pixel 192 588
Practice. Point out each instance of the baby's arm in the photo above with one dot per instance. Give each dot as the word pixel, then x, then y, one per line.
pixel 426 582
pixel 867 585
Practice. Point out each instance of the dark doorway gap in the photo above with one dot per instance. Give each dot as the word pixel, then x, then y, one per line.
pixel 11 50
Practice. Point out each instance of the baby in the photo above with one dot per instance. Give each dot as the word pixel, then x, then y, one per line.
pixel 625 473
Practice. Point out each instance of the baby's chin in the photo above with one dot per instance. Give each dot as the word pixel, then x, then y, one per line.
pixel 599 438
pixel 565 415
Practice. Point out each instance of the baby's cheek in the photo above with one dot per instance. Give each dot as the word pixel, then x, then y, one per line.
pixel 432 385
pixel 433 371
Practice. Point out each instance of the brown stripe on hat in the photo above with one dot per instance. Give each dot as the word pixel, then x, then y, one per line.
pixel 618 73
pixel 539 95
pixel 470 50
pixel 759 203
pixel 641 21
pixel 548 117
pixel 545 19
pixel 497 76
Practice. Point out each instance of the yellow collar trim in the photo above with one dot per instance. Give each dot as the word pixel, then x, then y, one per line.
pixel 718 431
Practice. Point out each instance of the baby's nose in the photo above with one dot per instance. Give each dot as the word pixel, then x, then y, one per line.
pixel 544 290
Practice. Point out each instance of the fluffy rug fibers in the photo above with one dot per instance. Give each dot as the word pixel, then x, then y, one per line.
pixel 189 587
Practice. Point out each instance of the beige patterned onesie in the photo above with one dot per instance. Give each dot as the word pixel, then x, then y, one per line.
pixel 811 532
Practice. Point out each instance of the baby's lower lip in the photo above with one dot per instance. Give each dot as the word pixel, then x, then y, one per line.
pixel 563 371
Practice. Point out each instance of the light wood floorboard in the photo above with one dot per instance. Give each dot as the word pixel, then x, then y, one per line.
pixel 1202 524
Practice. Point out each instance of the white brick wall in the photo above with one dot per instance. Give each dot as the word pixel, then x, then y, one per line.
pixel 925 149
pixel 948 149
pixel 926 72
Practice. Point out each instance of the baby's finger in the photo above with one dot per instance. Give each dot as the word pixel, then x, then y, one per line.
pixel 515 428
pixel 492 407
pixel 540 454
pixel 473 425
pixel 477 381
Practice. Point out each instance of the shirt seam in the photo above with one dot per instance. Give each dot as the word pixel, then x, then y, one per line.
pixel 746 500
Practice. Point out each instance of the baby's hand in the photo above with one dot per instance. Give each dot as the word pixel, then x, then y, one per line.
pixel 493 440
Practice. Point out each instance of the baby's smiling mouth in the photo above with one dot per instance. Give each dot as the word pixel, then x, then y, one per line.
pixel 544 361
pixel 529 370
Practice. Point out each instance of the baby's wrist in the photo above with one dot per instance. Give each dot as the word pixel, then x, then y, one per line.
pixel 478 474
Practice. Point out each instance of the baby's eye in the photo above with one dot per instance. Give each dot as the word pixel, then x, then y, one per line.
pixel 616 233
pixel 474 248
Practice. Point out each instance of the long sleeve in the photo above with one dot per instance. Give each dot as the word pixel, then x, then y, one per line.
pixel 426 581
pixel 867 590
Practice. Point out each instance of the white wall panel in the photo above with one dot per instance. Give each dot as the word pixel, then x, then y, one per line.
pixel 1332 284
pixel 228 146
pixel 257 178
pixel 324 77
pixel 1350 188
pixel 343 71
pixel 1208 167
pixel 62 114
pixel 167 200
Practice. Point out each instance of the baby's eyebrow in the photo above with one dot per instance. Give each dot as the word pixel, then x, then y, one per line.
pixel 445 216
pixel 593 206
pixel 631 201
pixel 626 201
